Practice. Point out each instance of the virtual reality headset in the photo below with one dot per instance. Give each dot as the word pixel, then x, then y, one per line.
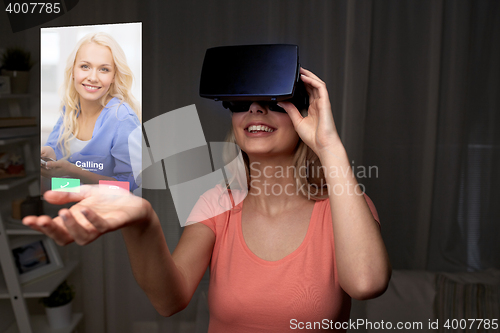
pixel 243 74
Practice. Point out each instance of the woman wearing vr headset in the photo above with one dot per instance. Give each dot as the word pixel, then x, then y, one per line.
pixel 282 261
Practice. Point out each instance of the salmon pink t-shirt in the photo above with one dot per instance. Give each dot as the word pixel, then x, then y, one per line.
pixel 249 294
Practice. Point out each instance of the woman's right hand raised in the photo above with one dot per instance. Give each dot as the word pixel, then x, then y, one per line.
pixel 98 210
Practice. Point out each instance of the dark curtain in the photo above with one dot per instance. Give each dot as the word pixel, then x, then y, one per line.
pixel 465 226
pixel 432 128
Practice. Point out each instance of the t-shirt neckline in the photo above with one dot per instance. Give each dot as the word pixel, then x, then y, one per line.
pixel 99 117
pixel 288 257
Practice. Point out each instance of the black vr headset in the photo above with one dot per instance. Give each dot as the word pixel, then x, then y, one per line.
pixel 241 75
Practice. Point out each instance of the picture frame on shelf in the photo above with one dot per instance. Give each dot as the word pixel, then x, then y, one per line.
pixel 35 256
pixel 4 85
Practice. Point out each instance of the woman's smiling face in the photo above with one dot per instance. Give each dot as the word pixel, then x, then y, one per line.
pixel 93 72
pixel 260 131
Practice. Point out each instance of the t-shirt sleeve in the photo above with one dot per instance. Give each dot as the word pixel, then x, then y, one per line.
pixel 210 207
pixel 202 213
pixel 124 149
pixel 372 208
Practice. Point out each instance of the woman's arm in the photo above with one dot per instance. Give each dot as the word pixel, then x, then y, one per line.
pixel 169 281
pixel 362 262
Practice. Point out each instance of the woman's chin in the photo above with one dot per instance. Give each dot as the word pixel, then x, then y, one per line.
pixel 256 154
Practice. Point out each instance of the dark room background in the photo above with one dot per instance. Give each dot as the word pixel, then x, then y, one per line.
pixel 415 92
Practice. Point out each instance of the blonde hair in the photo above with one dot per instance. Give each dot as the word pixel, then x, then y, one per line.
pixel 312 187
pixel 120 88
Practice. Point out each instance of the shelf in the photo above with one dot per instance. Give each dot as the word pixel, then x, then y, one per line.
pixel 7 184
pixel 16 96
pixel 10 133
pixel 9 141
pixel 39 324
pixel 18 229
pixel 43 286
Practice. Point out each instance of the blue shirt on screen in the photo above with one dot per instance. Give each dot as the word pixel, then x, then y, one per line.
pixel 107 153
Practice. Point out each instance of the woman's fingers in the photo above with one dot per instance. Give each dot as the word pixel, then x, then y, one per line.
pixel 82 231
pixel 60 198
pixel 309 74
pixel 50 227
pixel 311 80
pixel 31 221
pixel 320 93
pixel 55 229
pixel 320 86
pixel 98 222
pixel 311 91
pixel 292 112
pixel 80 224
pixel 312 86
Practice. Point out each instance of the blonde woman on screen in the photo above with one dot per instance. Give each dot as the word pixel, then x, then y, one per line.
pixel 98 113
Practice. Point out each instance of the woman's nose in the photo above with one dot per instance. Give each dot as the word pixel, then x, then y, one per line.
pixel 257 108
pixel 92 76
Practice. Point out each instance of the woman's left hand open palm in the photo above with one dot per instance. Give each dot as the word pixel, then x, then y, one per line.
pixel 317 129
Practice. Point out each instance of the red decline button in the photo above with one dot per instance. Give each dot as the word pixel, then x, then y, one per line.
pixel 114 184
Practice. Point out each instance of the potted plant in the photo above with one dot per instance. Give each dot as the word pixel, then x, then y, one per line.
pixel 58 306
pixel 16 63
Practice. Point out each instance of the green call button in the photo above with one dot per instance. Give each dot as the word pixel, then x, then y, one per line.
pixel 66 184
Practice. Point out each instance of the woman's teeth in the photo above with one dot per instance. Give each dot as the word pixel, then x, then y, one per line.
pixel 91 88
pixel 259 128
